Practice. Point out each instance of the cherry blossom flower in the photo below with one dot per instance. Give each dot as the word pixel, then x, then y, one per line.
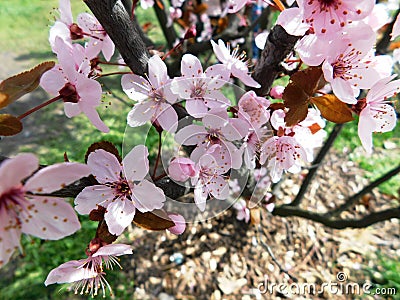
pixel 200 89
pixel 70 81
pixel 154 97
pixel 242 212
pixel 209 179
pixel 64 27
pixel 325 17
pixel 253 109
pixel 99 40
pixel 122 188
pixel 87 275
pixel 234 62
pixel 377 115
pixel 24 208
pixel 348 65
pixel 218 129
pixel 282 151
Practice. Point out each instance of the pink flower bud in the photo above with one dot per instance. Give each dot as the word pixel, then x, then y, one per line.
pixel 190 33
pixel 180 224
pixel 277 91
pixel 181 168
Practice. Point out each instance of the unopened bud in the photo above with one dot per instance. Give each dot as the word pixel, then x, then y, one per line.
pixel 190 33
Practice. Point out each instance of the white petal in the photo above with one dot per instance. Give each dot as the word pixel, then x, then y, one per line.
pixel 191 66
pixel 49 218
pixel 141 113
pixel 147 196
pixel 191 135
pixel 136 164
pixel 104 165
pixel 9 236
pixel 119 215
pixel 114 249
pixel 92 196
pixel 13 170
pixel 56 177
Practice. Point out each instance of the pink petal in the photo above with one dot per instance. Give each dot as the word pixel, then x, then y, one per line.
pixel 59 29
pixel 53 80
pixel 65 12
pixel 71 109
pixel 136 163
pixel 49 218
pixel 167 117
pixel 13 170
pixel 219 75
pixel 10 234
pixel 221 51
pixel 56 177
pixel 191 135
pixel 236 129
pixel 89 90
pixel 366 125
pixel 70 271
pixel 196 107
pixel 158 74
pixel 147 196
pixel 200 196
pixel 180 224
pixel 384 116
pixel 136 87
pixel 92 196
pixel 141 113
pixel 108 48
pixel 119 215
pixel 113 249
pixel 219 188
pixel 292 21
pixel 94 117
pixel 343 90
pixel 104 165
pixel 242 72
pixel 191 66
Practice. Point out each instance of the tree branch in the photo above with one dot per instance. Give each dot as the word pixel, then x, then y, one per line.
pixel 278 46
pixel 353 199
pixel 124 32
pixel 289 211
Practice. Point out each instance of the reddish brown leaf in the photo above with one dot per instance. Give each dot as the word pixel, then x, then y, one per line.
pixel 105 145
pixel 302 86
pixel 9 125
pixel 333 109
pixel 103 233
pixel 156 220
pixel 16 86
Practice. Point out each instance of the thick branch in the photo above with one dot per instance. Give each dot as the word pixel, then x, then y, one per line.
pixel 124 32
pixel 289 211
pixel 278 46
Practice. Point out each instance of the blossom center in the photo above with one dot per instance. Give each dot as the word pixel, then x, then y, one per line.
pixel 122 188
pixel 69 93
